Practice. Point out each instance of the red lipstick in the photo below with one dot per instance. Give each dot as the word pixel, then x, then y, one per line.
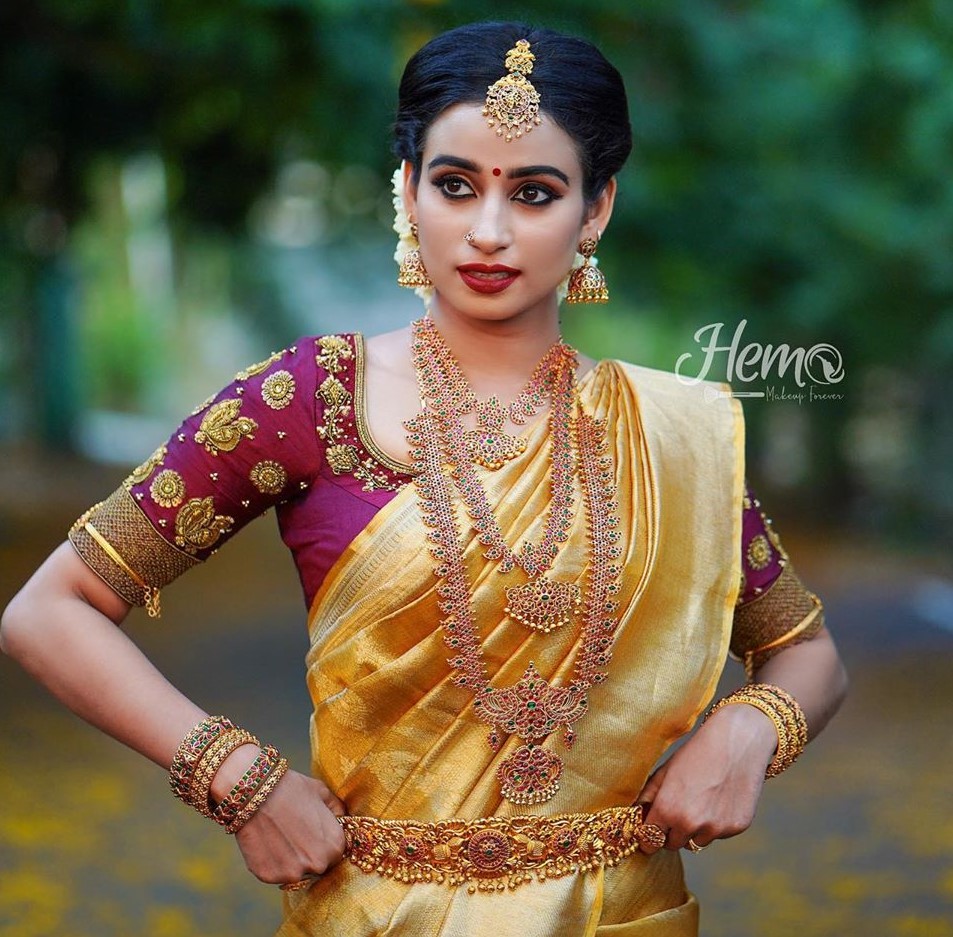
pixel 487 278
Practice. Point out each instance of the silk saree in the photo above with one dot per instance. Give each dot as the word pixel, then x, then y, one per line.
pixel 396 739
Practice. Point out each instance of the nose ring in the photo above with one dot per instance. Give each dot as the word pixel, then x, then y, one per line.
pixel 469 236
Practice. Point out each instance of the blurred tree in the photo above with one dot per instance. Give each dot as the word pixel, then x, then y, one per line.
pixel 791 163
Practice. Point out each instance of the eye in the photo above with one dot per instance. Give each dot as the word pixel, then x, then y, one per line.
pixel 533 193
pixel 453 187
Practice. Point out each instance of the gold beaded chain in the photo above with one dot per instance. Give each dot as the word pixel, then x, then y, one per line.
pixel 540 604
pixel 532 709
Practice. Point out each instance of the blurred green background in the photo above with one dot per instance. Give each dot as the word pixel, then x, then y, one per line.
pixel 185 187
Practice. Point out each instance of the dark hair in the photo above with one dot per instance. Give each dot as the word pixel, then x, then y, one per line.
pixel 579 89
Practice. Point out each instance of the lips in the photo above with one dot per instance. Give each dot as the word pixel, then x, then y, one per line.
pixel 487 278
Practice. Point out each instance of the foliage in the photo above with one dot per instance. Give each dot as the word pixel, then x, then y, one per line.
pixel 791 163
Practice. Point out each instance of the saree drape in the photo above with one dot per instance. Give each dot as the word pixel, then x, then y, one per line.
pixel 395 739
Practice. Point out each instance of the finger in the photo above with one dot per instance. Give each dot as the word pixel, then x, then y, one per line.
pixel 336 805
pixel 652 785
pixel 676 839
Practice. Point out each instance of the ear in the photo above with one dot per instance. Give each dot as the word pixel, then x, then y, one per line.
pixel 599 213
pixel 410 188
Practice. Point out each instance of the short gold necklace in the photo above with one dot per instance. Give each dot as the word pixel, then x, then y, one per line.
pixel 532 709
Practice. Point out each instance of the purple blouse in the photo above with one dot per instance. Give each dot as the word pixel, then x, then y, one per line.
pixel 291 432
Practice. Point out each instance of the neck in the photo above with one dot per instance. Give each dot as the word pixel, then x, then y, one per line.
pixel 493 352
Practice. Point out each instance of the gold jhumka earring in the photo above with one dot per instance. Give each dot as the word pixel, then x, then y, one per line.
pixel 413 273
pixel 587 283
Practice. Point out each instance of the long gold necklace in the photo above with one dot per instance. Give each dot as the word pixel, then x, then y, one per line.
pixel 541 603
pixel 532 709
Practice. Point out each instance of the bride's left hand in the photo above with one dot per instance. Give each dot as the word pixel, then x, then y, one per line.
pixel 709 789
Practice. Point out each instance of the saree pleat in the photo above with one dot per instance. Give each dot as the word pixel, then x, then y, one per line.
pixel 395 738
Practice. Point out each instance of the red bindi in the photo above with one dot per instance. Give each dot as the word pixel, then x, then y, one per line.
pixel 497 171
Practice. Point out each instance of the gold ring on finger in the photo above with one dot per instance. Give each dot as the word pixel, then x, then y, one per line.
pixel 694 847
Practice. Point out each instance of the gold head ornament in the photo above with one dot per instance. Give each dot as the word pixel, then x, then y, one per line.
pixel 512 103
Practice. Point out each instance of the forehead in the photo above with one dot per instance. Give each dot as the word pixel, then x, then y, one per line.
pixel 462 131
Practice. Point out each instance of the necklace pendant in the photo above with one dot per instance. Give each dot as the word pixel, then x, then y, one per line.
pixel 489 446
pixel 493 450
pixel 530 775
pixel 543 604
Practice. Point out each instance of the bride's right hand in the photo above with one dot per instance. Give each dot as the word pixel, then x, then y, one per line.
pixel 295 833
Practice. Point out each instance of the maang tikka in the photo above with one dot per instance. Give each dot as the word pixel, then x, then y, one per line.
pixel 587 284
pixel 512 103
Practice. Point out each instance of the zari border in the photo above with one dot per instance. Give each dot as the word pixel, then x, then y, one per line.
pixel 786 613
pixel 360 413
pixel 146 560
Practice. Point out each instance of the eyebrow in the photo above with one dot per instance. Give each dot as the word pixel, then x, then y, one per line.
pixel 521 173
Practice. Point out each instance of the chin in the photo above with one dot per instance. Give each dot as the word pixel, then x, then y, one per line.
pixel 498 308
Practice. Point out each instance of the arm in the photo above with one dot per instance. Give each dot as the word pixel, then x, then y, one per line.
pixel 709 789
pixel 62 628
pixel 227 463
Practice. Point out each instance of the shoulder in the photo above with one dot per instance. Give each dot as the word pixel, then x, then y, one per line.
pixel 668 386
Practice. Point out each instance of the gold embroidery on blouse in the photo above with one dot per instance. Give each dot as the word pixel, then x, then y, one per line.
pixel 141 472
pixel 198 527
pixel 336 399
pixel 206 402
pixel 167 489
pixel 334 349
pixel 120 522
pixel 360 416
pixel 268 477
pixel 278 390
pixel 759 552
pixel 774 538
pixel 342 459
pixel 222 428
pixel 254 369
pixel 343 456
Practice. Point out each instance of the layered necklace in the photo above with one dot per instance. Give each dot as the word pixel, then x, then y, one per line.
pixel 444 453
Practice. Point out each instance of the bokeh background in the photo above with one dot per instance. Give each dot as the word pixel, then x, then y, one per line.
pixel 185 187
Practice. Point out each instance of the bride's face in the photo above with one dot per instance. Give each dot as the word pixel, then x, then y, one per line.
pixel 521 203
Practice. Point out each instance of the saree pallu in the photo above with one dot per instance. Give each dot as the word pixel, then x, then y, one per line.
pixel 396 739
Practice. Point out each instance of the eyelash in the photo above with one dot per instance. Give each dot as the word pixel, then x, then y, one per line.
pixel 442 183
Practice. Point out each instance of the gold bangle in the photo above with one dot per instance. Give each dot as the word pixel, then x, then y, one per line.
pixel 150 595
pixel 200 796
pixel 783 710
pixel 259 797
pixel 247 786
pixel 189 753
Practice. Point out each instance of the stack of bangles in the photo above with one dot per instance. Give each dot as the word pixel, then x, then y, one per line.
pixel 783 710
pixel 202 753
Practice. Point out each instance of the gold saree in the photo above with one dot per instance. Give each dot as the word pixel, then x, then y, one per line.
pixel 395 739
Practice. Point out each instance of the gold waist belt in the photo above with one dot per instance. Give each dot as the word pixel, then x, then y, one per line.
pixel 494 853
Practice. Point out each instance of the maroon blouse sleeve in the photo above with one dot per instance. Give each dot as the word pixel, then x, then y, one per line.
pixel 251 446
pixel 774 609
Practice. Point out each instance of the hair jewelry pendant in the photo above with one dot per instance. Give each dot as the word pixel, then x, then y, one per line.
pixel 512 103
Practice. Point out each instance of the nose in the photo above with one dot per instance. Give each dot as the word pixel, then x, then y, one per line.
pixel 490 230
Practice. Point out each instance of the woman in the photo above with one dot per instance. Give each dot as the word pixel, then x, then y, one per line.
pixel 487 581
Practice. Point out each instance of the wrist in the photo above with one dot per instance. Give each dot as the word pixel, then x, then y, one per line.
pixel 750 727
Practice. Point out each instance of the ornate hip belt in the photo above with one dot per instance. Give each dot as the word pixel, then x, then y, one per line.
pixel 495 853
